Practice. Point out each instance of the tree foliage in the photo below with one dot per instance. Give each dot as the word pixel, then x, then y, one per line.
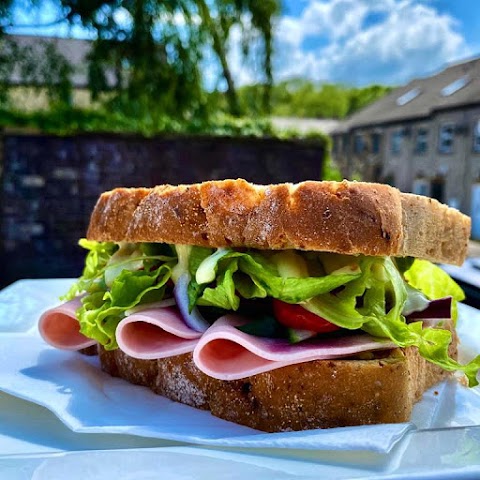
pixel 302 98
pixel 255 20
pixel 147 54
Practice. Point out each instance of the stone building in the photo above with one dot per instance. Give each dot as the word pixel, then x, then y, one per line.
pixel 423 137
pixel 26 85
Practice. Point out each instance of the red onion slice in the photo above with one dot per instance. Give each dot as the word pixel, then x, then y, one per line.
pixel 441 308
pixel 193 319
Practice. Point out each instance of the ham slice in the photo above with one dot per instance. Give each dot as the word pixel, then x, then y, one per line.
pixel 60 328
pixel 226 353
pixel 156 333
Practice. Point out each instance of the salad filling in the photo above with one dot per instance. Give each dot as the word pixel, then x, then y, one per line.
pixel 291 294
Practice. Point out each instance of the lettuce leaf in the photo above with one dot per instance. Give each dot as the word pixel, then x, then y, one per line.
pixel 364 295
pixel 197 256
pixel 254 275
pixel 291 289
pixel 223 295
pixel 101 312
pixel 95 262
pixel 374 303
pixel 136 274
pixel 434 283
pixel 432 343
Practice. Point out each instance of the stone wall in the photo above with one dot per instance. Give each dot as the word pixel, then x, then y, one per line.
pixel 49 184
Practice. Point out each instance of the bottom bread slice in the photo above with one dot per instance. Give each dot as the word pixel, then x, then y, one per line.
pixel 317 394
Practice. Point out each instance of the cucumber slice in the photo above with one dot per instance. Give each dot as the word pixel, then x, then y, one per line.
pixel 295 335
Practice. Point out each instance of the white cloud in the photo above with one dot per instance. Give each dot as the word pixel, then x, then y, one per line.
pixel 361 42
pixel 335 18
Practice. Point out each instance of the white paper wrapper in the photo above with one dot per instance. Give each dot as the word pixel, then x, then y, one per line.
pixel 88 400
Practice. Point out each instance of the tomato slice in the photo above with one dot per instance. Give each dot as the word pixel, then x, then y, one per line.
pixel 295 316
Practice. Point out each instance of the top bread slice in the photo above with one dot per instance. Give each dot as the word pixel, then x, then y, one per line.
pixel 341 217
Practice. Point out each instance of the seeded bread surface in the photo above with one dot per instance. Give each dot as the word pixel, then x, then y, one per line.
pixel 341 217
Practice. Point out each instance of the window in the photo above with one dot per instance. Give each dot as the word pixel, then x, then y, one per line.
pixel 476 137
pixel 376 139
pixel 455 86
pixel 446 137
pixel 396 139
pixel 421 141
pixel 437 188
pixel 421 185
pixel 408 96
pixel 359 143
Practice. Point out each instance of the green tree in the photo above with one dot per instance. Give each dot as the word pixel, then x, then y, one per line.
pixel 262 15
pixel 361 97
pixel 302 98
pixel 155 57
pixel 147 55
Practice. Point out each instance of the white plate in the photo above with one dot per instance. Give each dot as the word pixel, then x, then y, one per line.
pixel 89 401
pixel 433 454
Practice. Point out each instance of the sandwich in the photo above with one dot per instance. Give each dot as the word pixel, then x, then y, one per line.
pixel 280 307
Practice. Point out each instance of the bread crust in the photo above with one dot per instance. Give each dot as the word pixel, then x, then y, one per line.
pixel 342 217
pixel 317 394
pixel 113 212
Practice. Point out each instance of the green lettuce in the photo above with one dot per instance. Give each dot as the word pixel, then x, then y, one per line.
pixel 434 283
pixel 254 275
pixel 116 279
pixel 223 295
pixel 99 253
pixel 101 312
pixel 365 294
pixel 197 257
pixel 374 302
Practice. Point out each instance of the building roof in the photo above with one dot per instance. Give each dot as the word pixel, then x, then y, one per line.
pixel 74 50
pixel 458 85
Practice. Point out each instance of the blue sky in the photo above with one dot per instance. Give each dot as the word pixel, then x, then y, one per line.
pixel 366 41
pixel 356 42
